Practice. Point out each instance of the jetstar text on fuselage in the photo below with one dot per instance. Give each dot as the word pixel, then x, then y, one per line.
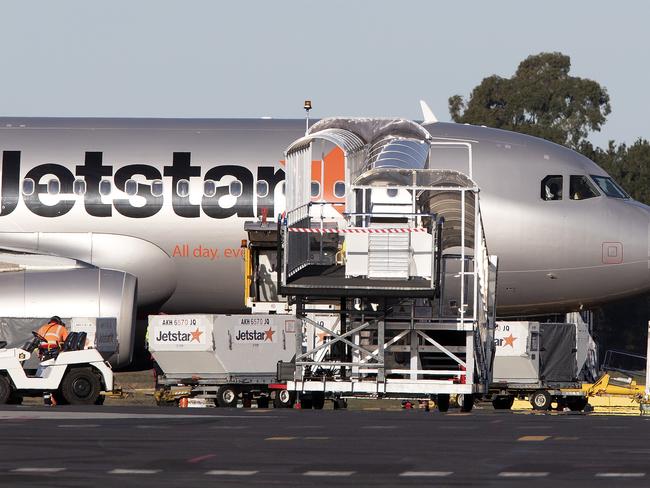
pixel 94 170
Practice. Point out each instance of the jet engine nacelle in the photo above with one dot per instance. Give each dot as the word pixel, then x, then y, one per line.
pixel 80 292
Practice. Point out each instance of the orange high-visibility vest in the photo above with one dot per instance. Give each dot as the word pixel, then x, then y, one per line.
pixel 54 333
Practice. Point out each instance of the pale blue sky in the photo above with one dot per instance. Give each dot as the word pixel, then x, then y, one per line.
pixel 263 58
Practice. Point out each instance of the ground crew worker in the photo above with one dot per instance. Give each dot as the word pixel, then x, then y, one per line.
pixel 54 333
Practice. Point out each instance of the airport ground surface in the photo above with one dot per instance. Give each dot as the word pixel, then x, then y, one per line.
pixel 145 446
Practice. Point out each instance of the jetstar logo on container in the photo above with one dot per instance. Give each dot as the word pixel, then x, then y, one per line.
pixel 252 335
pixel 179 335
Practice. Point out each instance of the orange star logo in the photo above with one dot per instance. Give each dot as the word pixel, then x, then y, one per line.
pixel 269 334
pixel 196 335
pixel 510 341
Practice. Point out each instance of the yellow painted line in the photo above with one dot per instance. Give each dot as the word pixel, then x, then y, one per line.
pixel 280 438
pixel 533 438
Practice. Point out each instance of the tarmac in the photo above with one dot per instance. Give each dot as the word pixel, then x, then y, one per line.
pixel 148 446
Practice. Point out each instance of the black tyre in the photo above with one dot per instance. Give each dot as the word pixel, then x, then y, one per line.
pixel 468 402
pixel 5 389
pixel 541 400
pixel 577 404
pixel 80 387
pixel 503 402
pixel 443 402
pixel 306 403
pixel 340 404
pixel 15 399
pixel 227 396
pixel 318 400
pixel 283 399
pixel 263 402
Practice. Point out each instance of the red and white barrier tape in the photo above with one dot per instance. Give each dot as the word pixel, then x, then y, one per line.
pixel 357 230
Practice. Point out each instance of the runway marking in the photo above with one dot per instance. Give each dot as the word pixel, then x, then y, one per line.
pixel 620 475
pixel 566 438
pixel 198 459
pixel 433 474
pixel 523 474
pixel 134 471
pixel 533 438
pixel 316 438
pixel 78 426
pixel 279 438
pixel 230 472
pixel 38 470
pixel 328 473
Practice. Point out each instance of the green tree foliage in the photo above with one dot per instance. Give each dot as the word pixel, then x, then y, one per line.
pixel 540 99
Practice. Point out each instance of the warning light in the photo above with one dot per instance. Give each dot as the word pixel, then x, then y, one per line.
pixel 244 243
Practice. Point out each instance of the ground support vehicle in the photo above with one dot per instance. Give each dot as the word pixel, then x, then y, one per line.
pixel 220 359
pixel 73 375
pixel 403 260
pixel 539 362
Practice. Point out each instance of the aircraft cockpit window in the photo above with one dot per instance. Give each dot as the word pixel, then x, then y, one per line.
pixel 552 187
pixel 209 188
pixel 53 186
pixel 580 188
pixel 79 187
pixel 609 187
pixel 183 188
pixel 235 188
pixel 315 189
pixel 156 188
pixel 28 186
pixel 131 187
pixel 339 189
pixel 262 188
pixel 104 187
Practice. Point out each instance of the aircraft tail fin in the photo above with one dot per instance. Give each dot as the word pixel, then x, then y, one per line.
pixel 427 113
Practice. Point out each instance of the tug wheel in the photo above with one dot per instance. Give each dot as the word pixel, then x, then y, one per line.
pixel 468 402
pixel 443 402
pixel 283 399
pixel 541 400
pixel 80 387
pixel 227 396
pixel 5 389
pixel 503 402
pixel 318 400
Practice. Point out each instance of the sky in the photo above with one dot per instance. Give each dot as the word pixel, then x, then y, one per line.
pixel 158 58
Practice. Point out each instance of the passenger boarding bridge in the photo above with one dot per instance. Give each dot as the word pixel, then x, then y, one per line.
pixel 395 283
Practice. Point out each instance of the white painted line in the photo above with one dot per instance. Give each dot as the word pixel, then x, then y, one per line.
pixel 134 471
pixel 433 474
pixel 328 473
pixel 38 470
pixel 230 472
pixel 620 475
pixel 523 474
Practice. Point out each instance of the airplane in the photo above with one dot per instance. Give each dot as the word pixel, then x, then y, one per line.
pixel 121 217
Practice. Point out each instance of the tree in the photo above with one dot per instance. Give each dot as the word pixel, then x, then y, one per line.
pixel 540 99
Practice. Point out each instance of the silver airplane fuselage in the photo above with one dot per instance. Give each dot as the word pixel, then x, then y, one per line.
pixel 182 240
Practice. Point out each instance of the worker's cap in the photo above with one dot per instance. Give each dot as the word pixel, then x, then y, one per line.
pixel 56 319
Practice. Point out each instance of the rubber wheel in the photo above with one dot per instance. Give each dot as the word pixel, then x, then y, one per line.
pixel 5 390
pixel 263 402
pixel 503 402
pixel 468 402
pixel 283 399
pixel 340 404
pixel 318 400
pixel 541 400
pixel 443 402
pixel 306 403
pixel 577 404
pixel 80 387
pixel 15 399
pixel 227 396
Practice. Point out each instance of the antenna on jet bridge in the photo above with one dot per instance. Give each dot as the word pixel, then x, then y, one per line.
pixel 307 107
pixel 427 113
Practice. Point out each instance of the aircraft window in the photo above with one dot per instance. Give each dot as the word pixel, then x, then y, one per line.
pixel 131 187
pixel 157 188
pixel 79 187
pixel 315 189
pixel 339 189
pixel 235 188
pixel 609 187
pixel 552 187
pixel 28 186
pixel 209 188
pixel 183 188
pixel 392 192
pixel 53 186
pixel 104 187
pixel 262 188
pixel 580 188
